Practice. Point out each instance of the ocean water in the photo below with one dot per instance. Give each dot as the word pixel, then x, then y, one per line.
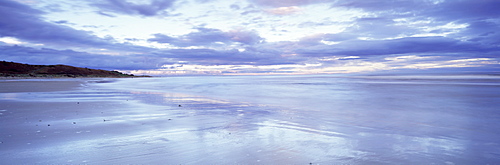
pixel 308 119
pixel 339 119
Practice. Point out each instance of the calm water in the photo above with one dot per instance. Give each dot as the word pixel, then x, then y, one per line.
pixel 283 120
pixel 329 119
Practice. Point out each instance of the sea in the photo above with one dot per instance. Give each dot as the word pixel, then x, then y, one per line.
pixel 416 119
pixel 296 119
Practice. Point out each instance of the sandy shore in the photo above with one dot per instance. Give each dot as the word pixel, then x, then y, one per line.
pixel 57 122
pixel 240 120
pixel 60 122
pixel 34 85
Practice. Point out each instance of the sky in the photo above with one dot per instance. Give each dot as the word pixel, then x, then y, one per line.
pixel 254 37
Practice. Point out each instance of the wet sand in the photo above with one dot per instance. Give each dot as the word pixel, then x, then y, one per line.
pixel 92 125
pixel 58 122
pixel 158 121
pixel 27 85
pixel 48 122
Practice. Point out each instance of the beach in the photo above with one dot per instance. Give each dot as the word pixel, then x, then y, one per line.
pixel 250 120
pixel 61 122
pixel 43 122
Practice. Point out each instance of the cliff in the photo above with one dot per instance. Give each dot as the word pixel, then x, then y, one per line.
pixel 12 69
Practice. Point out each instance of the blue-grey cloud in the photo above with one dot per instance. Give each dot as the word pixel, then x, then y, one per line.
pixel 481 16
pixel 44 56
pixel 25 23
pixel 383 6
pixel 483 19
pixel 483 32
pixel 259 54
pixel 478 38
pixel 465 10
pixel 105 14
pixel 208 36
pixel 380 28
pixel 225 57
pixel 155 7
pixel 410 45
pixel 147 60
pixel 372 37
pixel 235 6
pixel 286 3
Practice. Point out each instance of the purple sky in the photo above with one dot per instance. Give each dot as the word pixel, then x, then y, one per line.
pixel 162 37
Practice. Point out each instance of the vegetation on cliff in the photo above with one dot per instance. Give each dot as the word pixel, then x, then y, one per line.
pixel 12 69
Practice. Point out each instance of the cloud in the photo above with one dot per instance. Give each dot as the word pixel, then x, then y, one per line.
pixel 284 10
pixel 235 7
pixel 225 57
pixel 61 22
pixel 17 7
pixel 362 36
pixel 405 27
pixel 465 10
pixel 434 45
pixel 462 11
pixel 209 37
pixel 155 7
pixel 484 32
pixel 256 55
pixel 245 36
pixel 105 14
pixel 286 3
pixel 480 16
pixel 25 23
pixel 384 6
pixel 44 56
pixel 380 28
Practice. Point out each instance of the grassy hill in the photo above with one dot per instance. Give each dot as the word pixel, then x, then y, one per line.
pixel 12 69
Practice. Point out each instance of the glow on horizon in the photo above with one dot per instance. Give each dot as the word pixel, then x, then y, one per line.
pixel 318 68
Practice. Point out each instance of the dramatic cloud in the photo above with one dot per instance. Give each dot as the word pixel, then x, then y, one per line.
pixel 480 17
pixel 386 6
pixel 286 3
pixel 46 56
pixel 464 10
pixel 254 36
pixel 21 22
pixel 24 23
pixel 410 45
pixel 207 36
pixel 251 56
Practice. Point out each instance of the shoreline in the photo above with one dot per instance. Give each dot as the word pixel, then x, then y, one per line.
pixel 50 121
pixel 50 84
pixel 43 85
pixel 8 78
pixel 297 120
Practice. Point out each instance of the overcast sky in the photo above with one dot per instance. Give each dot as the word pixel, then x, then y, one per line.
pixel 254 36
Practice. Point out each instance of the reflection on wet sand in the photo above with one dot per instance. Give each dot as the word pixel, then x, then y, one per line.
pixel 245 123
pixel 216 130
